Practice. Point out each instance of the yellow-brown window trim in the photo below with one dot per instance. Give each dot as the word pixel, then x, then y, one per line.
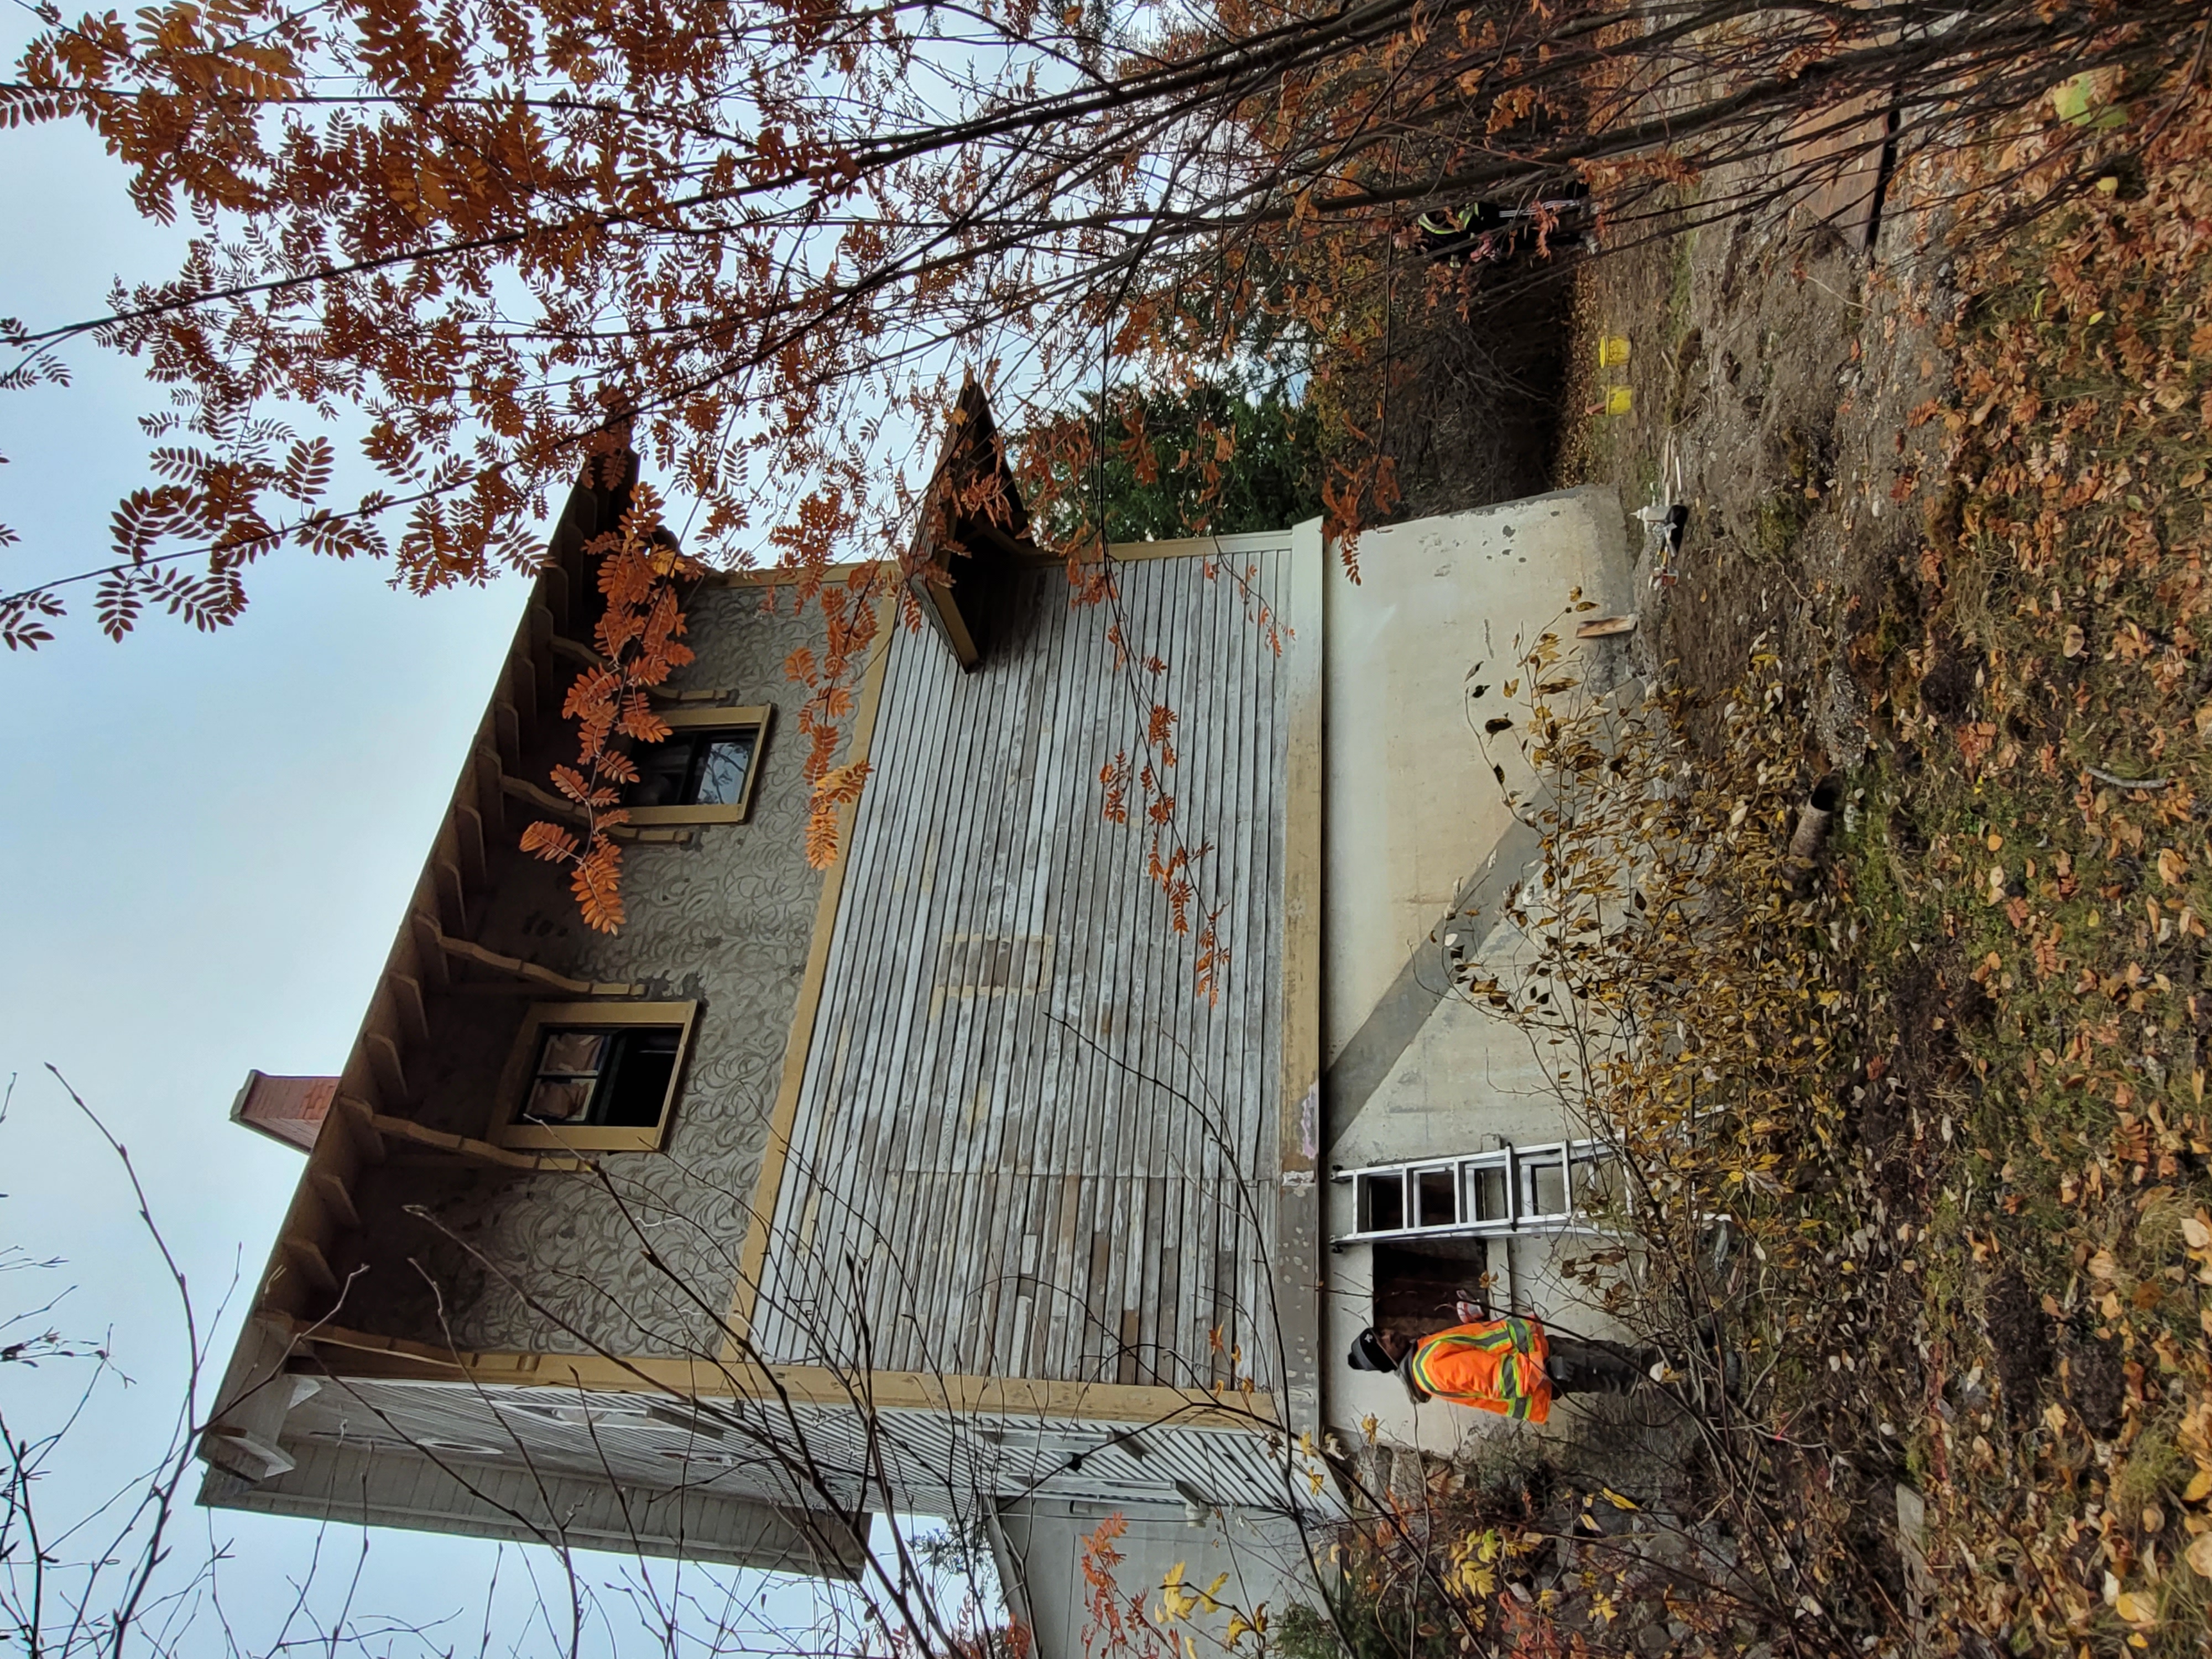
pixel 694 718
pixel 514 1081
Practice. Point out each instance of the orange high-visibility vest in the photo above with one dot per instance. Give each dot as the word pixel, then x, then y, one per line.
pixel 1497 1365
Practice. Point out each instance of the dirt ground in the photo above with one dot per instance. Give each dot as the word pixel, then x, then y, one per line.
pixel 2014 620
pixel 1773 369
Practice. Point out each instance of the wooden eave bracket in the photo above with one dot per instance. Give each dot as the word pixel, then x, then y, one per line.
pixel 305 1257
pixel 338 1201
pixel 577 652
pixel 530 973
pixel 376 1130
pixel 352 1341
pixel 545 800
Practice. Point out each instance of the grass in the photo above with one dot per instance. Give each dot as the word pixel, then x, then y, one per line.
pixel 1781 515
pixel 1653 312
pixel 1681 273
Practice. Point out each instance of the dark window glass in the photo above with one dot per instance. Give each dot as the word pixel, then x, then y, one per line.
pixel 635 1087
pixel 608 1077
pixel 661 772
pixel 696 769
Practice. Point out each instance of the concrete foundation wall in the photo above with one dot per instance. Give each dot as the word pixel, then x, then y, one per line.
pixel 1418 834
pixel 1040 1544
pixel 1411 807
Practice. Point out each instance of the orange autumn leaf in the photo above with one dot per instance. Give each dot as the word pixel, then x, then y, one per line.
pixel 548 842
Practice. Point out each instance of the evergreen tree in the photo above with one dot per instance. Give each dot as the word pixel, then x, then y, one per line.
pixel 1214 459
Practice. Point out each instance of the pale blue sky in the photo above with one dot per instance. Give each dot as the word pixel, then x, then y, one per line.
pixel 209 840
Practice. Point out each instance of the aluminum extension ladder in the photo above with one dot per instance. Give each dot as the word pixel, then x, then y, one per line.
pixel 1554 1187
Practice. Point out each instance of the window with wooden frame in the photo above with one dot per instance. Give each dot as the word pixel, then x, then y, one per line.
pixel 705 769
pixel 595 1077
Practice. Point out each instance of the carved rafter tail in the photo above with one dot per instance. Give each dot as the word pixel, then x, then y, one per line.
pixel 434 956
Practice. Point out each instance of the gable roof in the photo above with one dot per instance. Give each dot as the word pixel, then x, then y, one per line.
pixel 973 528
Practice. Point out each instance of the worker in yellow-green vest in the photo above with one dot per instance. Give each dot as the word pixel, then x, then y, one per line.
pixel 1511 1366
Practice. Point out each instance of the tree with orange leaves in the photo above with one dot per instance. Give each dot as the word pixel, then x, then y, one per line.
pixel 771 235
pixel 639 635
pixel 767 237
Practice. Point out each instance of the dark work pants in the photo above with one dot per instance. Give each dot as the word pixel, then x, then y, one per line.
pixel 1578 1365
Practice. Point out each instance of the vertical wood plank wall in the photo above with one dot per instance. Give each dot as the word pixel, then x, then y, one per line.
pixel 1072 1178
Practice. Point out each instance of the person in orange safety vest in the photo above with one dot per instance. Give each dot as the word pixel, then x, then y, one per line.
pixel 1511 1366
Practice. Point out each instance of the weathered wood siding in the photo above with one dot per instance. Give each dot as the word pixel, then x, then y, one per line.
pixel 1025 1144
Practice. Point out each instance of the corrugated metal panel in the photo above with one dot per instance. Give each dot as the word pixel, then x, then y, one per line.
pixel 1059 1162
pixel 740 1476
pixel 640 1442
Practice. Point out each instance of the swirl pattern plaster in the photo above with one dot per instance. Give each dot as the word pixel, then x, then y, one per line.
pixel 727 919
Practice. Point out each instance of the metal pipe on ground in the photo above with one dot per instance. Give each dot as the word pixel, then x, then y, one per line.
pixel 1815 819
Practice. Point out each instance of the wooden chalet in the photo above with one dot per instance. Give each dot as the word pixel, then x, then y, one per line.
pixel 930 1180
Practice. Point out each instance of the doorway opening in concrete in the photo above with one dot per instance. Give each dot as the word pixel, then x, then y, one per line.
pixel 1417 1282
